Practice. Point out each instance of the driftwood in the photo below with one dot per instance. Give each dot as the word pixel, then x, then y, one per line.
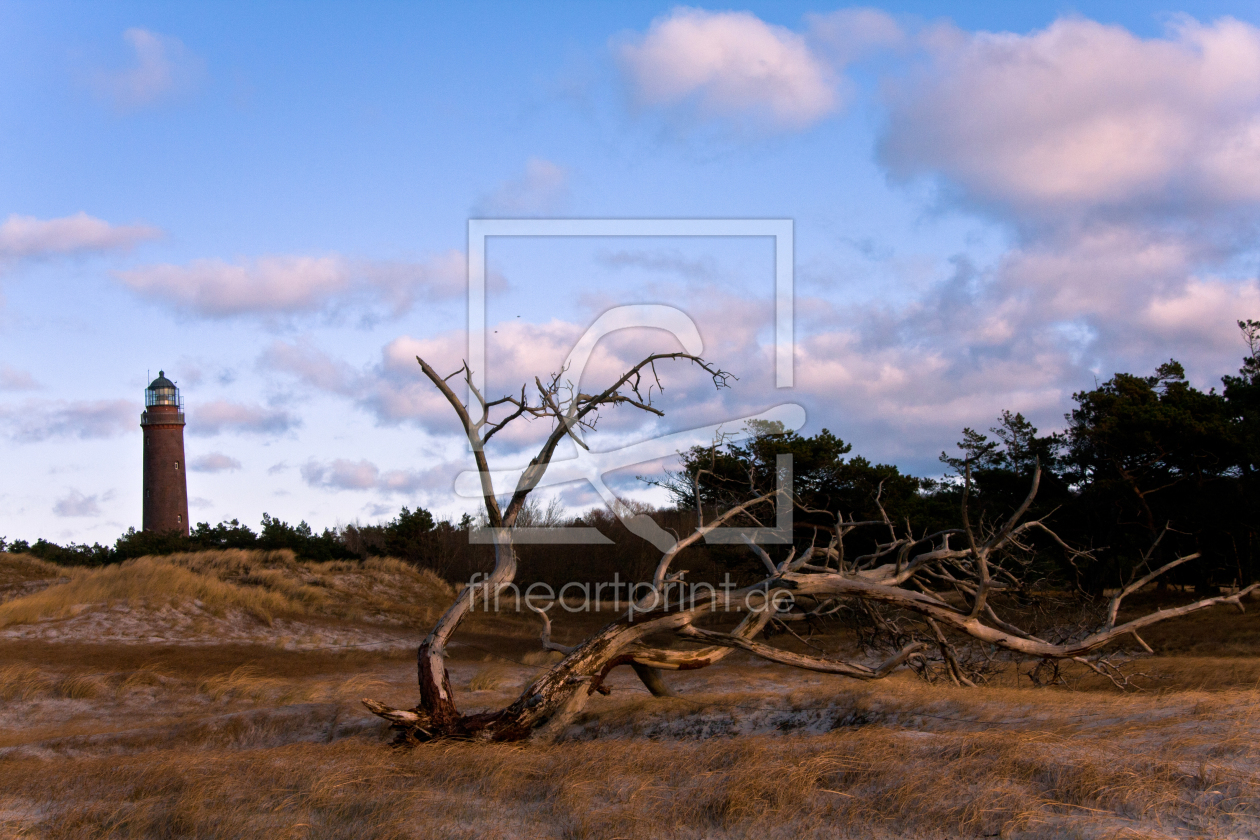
pixel 946 586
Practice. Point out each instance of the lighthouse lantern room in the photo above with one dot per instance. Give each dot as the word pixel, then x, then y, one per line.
pixel 165 488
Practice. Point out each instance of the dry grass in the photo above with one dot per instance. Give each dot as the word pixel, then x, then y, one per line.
pixel 250 683
pixel 147 581
pixel 142 740
pixel 24 683
pixel 22 568
pixel 261 584
pixel 891 759
pixel 865 782
pixel 490 678
pixel 542 657
pixel 21 682
pixel 80 687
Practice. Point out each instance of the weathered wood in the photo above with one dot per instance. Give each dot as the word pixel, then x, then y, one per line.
pixel 652 679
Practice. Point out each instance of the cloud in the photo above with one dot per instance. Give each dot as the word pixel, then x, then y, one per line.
pixel 395 391
pixel 29 237
pixel 287 284
pixel 342 474
pixel 1128 170
pixel 220 416
pixel 76 504
pixel 12 379
pixel 34 421
pixel 214 462
pixel 164 69
pixel 729 65
pixel 1083 116
pixel 1201 313
pixel 543 188
pixel 1045 320
pixel 897 379
pixel 311 365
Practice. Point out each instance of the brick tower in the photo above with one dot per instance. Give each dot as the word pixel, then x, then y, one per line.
pixel 165 488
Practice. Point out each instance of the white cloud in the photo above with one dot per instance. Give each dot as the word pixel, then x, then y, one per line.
pixel 75 503
pixel 1083 115
pixel 730 65
pixel 163 69
pixel 214 462
pixel 220 416
pixel 543 188
pixel 286 284
pixel 342 474
pixel 35 421
pixel 29 237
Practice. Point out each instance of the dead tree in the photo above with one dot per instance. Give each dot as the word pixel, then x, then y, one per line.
pixel 947 579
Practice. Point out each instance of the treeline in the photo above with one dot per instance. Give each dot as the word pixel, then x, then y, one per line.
pixel 1146 465
pixel 1143 461
pixel 411 534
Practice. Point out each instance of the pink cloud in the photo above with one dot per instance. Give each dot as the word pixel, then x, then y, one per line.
pixel 287 284
pixel 214 462
pixel 12 379
pixel 343 474
pixel 1203 313
pixel 221 416
pixel 35 421
pixel 729 64
pixel 1083 114
pixel 29 237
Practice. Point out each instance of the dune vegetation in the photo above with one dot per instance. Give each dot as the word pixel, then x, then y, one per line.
pixel 259 584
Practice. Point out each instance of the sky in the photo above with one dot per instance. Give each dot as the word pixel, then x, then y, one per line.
pixel 993 206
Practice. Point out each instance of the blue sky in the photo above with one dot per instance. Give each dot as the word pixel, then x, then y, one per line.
pixel 994 205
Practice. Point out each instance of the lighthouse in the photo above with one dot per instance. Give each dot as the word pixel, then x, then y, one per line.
pixel 165 488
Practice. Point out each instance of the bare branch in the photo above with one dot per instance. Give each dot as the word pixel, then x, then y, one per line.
pixel 545 635
pixel 809 663
pixel 1114 607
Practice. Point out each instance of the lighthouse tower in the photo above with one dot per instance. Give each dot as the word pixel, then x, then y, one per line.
pixel 165 488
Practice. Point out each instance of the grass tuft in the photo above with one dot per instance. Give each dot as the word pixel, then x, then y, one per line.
pixel 542 657
pixel 22 682
pixel 80 687
pixel 490 678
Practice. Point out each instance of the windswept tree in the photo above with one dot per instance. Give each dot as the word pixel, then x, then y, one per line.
pixel 955 581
